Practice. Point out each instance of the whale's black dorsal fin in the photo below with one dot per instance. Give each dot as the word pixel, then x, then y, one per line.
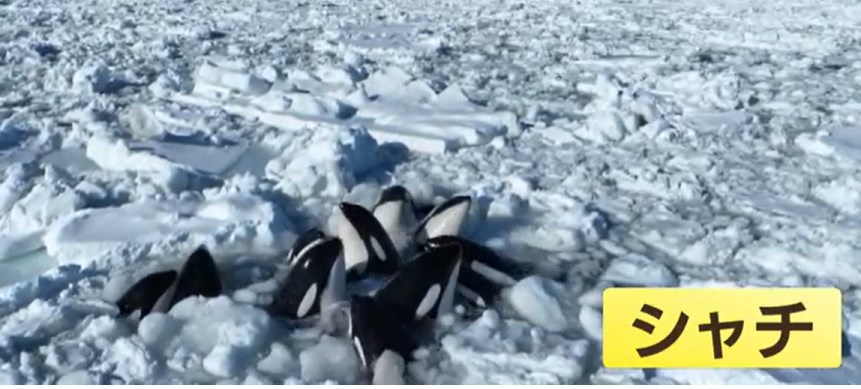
pixel 198 277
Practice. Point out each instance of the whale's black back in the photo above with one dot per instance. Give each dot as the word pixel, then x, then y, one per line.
pixel 145 293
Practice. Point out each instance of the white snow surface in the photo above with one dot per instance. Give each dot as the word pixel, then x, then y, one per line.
pixel 661 143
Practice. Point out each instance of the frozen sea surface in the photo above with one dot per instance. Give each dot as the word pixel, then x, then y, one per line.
pixel 659 143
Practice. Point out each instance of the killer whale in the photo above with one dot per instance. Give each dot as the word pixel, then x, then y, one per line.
pixel 160 291
pixel 315 281
pixel 444 219
pixel 396 214
pixel 368 249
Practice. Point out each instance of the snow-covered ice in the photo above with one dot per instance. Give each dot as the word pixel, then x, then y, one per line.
pixel 493 350
pixel 661 143
pixel 532 301
pixel 332 359
pixel 232 223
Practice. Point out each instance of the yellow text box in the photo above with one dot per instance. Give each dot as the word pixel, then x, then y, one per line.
pixel 817 345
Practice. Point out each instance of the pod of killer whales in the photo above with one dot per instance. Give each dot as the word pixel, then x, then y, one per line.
pixel 422 264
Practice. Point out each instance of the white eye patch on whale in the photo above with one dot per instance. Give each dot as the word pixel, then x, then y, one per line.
pixel 483 273
pixel 160 291
pixel 425 286
pixel 444 219
pixel 367 246
pixel 315 281
pixel 310 237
